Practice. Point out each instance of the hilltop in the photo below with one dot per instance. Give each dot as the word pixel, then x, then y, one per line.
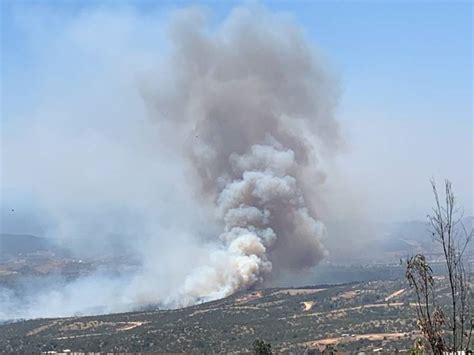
pixel 352 316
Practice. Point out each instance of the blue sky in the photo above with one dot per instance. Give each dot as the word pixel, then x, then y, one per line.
pixel 405 71
pixel 426 45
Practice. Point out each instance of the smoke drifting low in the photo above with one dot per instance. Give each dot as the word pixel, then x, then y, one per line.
pixel 245 111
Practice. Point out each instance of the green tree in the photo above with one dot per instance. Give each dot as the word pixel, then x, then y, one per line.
pixel 260 347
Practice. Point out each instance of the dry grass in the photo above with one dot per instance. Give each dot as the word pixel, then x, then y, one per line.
pixel 298 291
pixel 395 294
pixel 42 328
pixel 249 297
pixel 321 344
pixel 307 305
pixel 348 295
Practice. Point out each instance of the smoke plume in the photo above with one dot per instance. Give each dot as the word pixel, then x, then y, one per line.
pixel 255 106
pixel 200 151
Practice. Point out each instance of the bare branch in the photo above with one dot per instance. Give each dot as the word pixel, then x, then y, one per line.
pixel 448 230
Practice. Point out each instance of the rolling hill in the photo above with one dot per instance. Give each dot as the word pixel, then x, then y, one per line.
pixel 349 317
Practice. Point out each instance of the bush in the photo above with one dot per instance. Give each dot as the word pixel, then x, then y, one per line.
pixel 260 347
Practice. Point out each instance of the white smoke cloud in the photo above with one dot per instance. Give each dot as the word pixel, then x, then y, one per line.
pixel 203 153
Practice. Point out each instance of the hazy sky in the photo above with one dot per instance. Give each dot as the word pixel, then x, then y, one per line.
pixel 404 68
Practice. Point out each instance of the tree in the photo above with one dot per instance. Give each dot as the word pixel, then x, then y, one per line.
pixel 429 314
pixel 260 347
pixel 450 330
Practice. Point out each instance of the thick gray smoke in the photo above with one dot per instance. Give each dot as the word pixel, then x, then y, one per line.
pixel 239 113
pixel 255 106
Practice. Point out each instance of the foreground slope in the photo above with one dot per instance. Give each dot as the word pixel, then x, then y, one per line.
pixel 351 316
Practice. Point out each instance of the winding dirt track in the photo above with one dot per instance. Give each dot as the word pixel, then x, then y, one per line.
pixel 322 343
pixel 126 326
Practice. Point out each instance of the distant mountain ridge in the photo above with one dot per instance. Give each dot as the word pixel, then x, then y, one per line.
pixel 15 244
pixel 356 243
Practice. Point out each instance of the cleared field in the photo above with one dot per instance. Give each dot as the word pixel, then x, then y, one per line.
pixel 322 344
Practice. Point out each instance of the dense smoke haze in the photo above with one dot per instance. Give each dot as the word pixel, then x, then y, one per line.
pixel 197 148
pixel 254 104
pixel 168 155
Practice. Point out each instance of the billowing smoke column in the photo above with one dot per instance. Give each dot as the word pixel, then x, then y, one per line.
pixel 255 107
